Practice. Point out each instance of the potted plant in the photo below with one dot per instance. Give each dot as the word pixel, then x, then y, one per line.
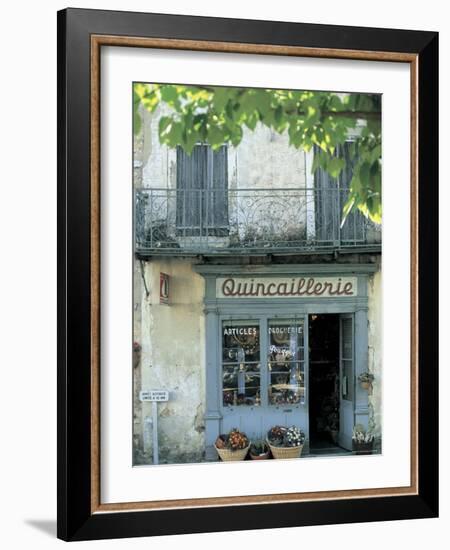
pixel 285 442
pixel 365 379
pixel 232 446
pixel 259 450
pixel 362 440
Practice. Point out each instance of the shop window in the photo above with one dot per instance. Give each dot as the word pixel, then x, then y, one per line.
pixel 202 191
pixel 241 374
pixel 285 362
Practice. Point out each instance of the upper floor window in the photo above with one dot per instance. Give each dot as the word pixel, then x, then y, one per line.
pixel 330 196
pixel 202 191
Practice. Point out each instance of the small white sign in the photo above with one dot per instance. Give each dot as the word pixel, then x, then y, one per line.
pixel 154 395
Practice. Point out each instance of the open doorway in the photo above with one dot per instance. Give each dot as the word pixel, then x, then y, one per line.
pixel 324 383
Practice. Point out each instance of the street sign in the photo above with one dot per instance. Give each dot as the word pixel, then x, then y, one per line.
pixel 154 397
pixel 157 396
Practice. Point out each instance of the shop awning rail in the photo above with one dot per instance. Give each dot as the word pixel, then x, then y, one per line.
pixel 217 221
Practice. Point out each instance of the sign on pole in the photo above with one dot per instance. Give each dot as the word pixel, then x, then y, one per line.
pixel 154 397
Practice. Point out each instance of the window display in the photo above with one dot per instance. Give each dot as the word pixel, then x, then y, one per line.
pixel 241 363
pixel 285 362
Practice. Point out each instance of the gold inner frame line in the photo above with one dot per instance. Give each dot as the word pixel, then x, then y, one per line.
pixel 97 41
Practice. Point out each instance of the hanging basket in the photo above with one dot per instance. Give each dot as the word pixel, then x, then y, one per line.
pixel 228 454
pixel 285 452
pixel 365 385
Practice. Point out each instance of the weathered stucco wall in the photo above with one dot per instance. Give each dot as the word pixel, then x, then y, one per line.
pixel 172 358
pixel 375 352
pixel 263 159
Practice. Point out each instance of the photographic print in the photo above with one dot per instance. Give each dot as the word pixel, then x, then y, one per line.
pixel 257 268
pixel 244 277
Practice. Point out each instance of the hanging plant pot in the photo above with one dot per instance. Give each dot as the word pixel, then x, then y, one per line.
pixel 365 380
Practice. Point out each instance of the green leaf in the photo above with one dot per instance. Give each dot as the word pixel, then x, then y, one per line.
pixel 348 207
pixel 335 166
pixel 164 123
pixel 251 120
pixel 137 122
pixel 169 94
pixel 220 98
pixel 236 136
pixel 215 136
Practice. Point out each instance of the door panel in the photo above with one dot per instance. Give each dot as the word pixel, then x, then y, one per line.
pixel 347 377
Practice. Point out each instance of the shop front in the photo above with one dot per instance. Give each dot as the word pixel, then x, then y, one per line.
pixel 284 345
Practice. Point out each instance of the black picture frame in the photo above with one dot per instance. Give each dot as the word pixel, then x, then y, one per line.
pixel 76 519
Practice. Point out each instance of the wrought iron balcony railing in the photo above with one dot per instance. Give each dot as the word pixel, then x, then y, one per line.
pixel 246 221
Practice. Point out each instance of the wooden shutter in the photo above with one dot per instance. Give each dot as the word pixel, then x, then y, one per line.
pixel 218 199
pixel 202 191
pixel 330 197
pixel 327 215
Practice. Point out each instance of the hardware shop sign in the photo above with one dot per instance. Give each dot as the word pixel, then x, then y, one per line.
pixel 286 287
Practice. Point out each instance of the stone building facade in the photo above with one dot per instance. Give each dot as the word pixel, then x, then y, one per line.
pixel 264 220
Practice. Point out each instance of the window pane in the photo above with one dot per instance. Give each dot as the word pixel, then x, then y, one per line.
pixel 285 362
pixel 241 379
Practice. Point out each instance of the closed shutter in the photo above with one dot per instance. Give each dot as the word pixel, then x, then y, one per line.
pixel 218 193
pixel 202 191
pixel 353 230
pixel 326 198
pixel 330 196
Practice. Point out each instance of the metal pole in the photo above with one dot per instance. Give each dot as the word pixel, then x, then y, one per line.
pixel 155 432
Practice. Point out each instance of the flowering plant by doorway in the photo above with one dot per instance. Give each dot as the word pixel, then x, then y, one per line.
pixel 360 435
pixel 362 440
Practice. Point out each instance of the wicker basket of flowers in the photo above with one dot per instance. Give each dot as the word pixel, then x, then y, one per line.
pixel 285 442
pixel 232 446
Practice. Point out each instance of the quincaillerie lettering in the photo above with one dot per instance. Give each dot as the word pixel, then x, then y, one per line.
pixel 295 287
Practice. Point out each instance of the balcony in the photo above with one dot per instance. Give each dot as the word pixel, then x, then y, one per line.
pixel 188 222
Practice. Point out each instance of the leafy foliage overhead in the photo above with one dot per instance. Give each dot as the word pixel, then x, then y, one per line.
pixel 218 115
